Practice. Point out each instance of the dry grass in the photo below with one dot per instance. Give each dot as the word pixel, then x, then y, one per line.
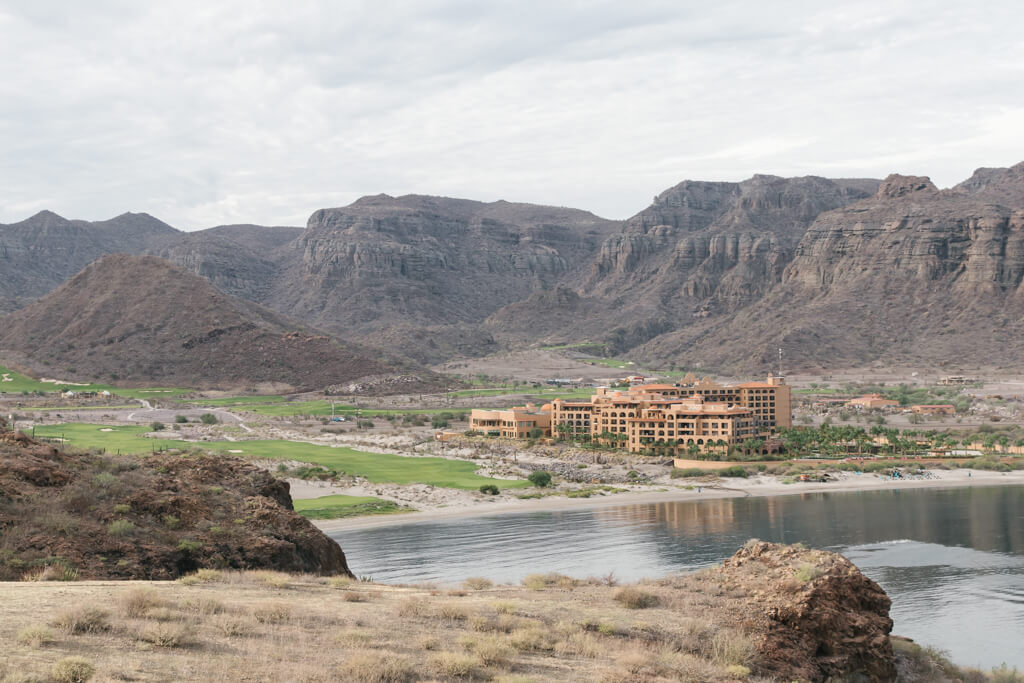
pixel 78 620
pixel 273 613
pixel 477 583
pixel 137 602
pixel 236 626
pixel 634 598
pixel 376 667
pixel 166 635
pixel 35 636
pixel 72 670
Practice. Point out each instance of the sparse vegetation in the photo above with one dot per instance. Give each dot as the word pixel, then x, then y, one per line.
pixel 634 598
pixel 540 478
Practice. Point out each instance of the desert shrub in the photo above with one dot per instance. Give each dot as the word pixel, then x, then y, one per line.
pixel 72 670
pixel 137 602
pixel 808 572
pixel 413 607
pixel 180 419
pixel 339 582
pixel 122 508
pixel 171 522
pixel 490 489
pixel 452 612
pixel 35 636
pixel 157 426
pixel 540 478
pixel 536 582
pixel 634 598
pixel 490 650
pixel 76 620
pixel 232 626
pixel 104 480
pixel 166 635
pixel 687 472
pixel 208 419
pixel 533 638
pixel 452 665
pixel 377 667
pixel 274 579
pixel 273 613
pixel 504 607
pixel 201 605
pixel 353 596
pixel 734 471
pixel 477 583
pixel 730 647
pixel 1006 674
pixel 187 545
pixel 121 527
pixel 580 644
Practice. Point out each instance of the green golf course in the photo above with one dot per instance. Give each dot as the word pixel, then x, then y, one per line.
pixel 378 468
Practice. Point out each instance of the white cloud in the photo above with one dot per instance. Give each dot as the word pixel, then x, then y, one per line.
pixel 205 113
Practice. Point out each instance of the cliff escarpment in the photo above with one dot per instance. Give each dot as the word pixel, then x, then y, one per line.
pixel 911 275
pixel 425 263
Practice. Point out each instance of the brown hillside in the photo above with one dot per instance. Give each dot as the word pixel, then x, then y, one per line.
pixel 95 516
pixel 142 319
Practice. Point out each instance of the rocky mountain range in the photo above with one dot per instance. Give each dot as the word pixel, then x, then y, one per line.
pixel 712 274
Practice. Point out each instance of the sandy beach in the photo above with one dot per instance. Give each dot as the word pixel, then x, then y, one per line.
pixel 472 505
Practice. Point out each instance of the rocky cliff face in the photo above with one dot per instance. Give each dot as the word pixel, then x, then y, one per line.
pixel 243 260
pixel 910 275
pixel 41 252
pixel 428 262
pixel 701 249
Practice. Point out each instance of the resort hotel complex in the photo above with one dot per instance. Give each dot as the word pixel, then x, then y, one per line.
pixel 697 415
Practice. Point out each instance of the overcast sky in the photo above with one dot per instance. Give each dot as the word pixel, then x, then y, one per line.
pixel 211 112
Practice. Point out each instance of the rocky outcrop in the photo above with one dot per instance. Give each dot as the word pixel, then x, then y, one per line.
pixel 815 615
pixel 155 518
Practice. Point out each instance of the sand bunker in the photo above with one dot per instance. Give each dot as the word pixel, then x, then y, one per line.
pixel 60 381
pixel 236 451
pixel 6 378
pixel 107 429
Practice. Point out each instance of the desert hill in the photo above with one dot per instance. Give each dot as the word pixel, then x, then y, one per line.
pixel 81 515
pixel 142 319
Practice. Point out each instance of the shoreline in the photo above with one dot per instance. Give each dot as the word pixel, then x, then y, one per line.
pixel 761 486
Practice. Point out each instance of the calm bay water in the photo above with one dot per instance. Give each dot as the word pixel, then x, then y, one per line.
pixel 951 560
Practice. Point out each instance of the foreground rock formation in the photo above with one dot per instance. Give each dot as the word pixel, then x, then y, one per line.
pixel 83 515
pixel 818 617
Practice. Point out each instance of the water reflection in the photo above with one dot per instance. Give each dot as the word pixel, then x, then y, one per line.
pixel 948 558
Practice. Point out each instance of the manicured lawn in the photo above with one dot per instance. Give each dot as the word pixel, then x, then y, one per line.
pixel 375 467
pixel 232 401
pixel 22 383
pixel 340 506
